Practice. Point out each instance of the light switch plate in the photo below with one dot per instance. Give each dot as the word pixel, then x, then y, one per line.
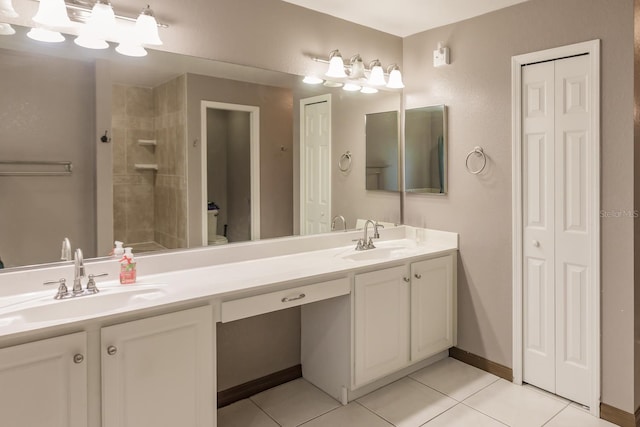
pixel 441 57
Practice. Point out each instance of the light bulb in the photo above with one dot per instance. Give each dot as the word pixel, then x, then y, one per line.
pixel 357 68
pixel 147 28
pixel 336 65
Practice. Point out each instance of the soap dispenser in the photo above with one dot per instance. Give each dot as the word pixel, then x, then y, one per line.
pixel 127 268
pixel 118 250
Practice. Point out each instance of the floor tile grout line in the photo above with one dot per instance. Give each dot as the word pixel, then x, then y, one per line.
pixel 487 415
pixel 263 411
pixel 373 412
pixel 554 415
pixel 318 416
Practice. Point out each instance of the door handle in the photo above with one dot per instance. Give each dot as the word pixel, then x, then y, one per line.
pixel 536 243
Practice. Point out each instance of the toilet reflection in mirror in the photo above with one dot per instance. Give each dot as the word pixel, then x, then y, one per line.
pixel 426 150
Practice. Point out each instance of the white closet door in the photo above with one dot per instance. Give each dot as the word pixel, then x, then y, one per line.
pixel 538 225
pixel 316 169
pixel 556 238
pixel 572 233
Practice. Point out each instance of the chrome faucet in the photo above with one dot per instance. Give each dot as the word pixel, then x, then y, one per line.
pixel 78 272
pixel 367 242
pixel 65 252
pixel 338 217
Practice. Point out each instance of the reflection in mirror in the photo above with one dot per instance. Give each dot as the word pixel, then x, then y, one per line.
pixel 382 136
pixel 426 150
pixel 49 110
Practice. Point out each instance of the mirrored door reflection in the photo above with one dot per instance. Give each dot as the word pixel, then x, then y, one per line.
pixel 426 150
pixel 382 142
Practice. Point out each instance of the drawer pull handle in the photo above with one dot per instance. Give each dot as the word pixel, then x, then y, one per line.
pixel 406 279
pixel 418 276
pixel 111 350
pixel 78 358
pixel 288 299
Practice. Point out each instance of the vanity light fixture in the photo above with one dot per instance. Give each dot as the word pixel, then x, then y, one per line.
pixel 329 83
pixel 351 87
pixel 7 10
pixel 130 46
pixel 99 27
pixel 336 65
pixel 357 67
pixel 368 89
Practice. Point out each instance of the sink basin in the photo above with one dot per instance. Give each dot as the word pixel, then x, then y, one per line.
pixel 377 254
pixel 47 309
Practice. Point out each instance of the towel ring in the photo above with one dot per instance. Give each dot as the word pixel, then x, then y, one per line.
pixel 478 151
pixel 344 164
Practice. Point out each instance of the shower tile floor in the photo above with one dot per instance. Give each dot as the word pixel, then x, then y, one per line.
pixel 447 393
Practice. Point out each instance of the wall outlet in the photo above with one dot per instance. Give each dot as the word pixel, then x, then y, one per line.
pixel 441 57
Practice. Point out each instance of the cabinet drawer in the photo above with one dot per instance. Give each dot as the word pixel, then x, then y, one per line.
pixel 279 300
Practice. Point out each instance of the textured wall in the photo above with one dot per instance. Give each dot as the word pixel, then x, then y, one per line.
pixel 47 112
pixel 477 89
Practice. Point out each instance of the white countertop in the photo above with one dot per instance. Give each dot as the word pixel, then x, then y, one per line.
pixel 265 265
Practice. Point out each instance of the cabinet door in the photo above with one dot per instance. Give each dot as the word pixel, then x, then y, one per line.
pixel 381 321
pixel 432 306
pixel 159 371
pixel 44 383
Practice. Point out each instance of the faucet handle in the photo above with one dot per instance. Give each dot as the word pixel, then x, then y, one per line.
pixel 91 284
pixel 370 244
pixel 360 245
pixel 376 225
pixel 62 287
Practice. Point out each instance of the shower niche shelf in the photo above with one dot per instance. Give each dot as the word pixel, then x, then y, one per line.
pixel 152 142
pixel 146 166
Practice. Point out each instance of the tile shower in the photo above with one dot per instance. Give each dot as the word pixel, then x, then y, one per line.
pixel 150 206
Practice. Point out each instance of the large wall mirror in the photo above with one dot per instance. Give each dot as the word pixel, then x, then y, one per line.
pixel 383 143
pixel 426 150
pixel 170 119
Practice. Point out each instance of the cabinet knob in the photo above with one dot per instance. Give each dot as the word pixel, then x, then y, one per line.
pixel 78 358
pixel 536 243
pixel 111 350
pixel 406 279
pixel 418 276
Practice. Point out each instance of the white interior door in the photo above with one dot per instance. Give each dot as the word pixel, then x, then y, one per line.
pixel 315 170
pixel 556 235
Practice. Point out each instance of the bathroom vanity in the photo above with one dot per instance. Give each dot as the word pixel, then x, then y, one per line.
pixel 144 354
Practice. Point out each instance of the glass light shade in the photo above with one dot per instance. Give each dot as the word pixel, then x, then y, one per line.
pixel 7 10
pixel 395 79
pixel 357 68
pixel 336 65
pixel 351 87
pixel 376 78
pixel 52 14
pixel 329 83
pixel 131 48
pixel 102 22
pixel 367 89
pixel 147 28
pixel 44 35
pixel 312 80
pixel 90 41
pixel 6 30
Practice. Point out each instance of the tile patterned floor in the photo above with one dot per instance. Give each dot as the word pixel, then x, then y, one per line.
pixel 446 394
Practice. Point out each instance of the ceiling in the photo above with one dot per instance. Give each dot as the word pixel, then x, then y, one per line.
pixel 404 17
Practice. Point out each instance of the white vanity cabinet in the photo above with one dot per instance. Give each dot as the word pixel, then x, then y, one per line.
pixel 158 371
pixel 44 383
pixel 381 323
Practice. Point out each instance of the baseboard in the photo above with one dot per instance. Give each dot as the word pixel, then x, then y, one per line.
pixel 482 363
pixel 618 416
pixel 248 389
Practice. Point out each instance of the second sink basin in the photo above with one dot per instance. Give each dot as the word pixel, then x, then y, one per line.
pixel 108 300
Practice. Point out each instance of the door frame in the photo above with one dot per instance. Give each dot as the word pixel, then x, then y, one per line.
pixel 592 48
pixel 303 172
pixel 254 149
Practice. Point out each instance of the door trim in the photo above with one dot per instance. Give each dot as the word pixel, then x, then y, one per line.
pixel 592 48
pixel 303 173
pixel 254 148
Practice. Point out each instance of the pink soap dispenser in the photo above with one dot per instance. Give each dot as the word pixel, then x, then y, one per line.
pixel 127 268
